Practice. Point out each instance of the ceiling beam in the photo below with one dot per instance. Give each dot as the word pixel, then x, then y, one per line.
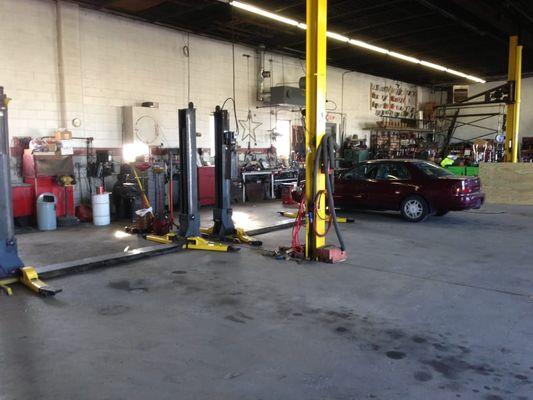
pixel 498 19
pixel 461 19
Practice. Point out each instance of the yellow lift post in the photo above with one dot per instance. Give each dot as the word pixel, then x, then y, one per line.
pixel 315 118
pixel 290 214
pixel 513 109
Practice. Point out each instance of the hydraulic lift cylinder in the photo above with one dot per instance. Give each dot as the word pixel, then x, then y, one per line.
pixel 9 259
pixel 225 163
pixel 189 216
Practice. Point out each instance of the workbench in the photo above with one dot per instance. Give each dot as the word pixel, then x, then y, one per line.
pixel 266 173
pixel 271 174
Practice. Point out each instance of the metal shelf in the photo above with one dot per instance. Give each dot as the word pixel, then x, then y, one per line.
pixel 397 129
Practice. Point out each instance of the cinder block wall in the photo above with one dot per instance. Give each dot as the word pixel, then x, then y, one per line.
pixel 61 62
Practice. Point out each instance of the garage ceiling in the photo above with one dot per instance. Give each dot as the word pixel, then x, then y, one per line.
pixel 467 35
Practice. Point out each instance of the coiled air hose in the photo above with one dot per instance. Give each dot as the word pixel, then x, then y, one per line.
pixel 325 155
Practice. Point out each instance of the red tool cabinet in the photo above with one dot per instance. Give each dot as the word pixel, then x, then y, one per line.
pixel 206 186
pixel 23 199
pixel 40 171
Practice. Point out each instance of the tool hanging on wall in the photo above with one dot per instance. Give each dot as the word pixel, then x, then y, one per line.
pixel 225 172
pixel 12 268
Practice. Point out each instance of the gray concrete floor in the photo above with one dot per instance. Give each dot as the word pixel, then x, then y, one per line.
pixel 86 240
pixel 438 310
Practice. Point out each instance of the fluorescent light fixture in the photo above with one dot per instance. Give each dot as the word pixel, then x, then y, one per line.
pixel 454 72
pixel 264 13
pixel 368 46
pixel 475 79
pixel 354 42
pixel 336 36
pixel 434 66
pixel 404 57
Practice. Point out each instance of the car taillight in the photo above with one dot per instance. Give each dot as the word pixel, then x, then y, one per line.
pixel 461 187
pixel 456 188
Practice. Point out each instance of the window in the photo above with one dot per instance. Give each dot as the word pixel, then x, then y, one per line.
pixel 392 172
pixel 283 141
pixel 432 170
pixel 362 171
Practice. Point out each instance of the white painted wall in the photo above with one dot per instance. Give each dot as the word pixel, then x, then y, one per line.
pixel 106 62
pixel 28 66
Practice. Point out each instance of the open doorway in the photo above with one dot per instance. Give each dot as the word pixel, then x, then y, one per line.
pixel 283 141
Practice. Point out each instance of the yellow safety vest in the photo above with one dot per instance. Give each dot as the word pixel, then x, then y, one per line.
pixel 447 161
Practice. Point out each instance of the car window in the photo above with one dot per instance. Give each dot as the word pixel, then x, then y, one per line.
pixel 362 171
pixel 432 170
pixel 392 172
pixel 367 171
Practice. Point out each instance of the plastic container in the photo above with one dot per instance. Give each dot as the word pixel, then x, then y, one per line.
pixel 472 171
pixel 101 211
pixel 46 212
pixel 456 170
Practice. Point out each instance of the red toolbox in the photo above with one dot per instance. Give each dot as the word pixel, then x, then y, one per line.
pixel 23 200
pixel 41 171
pixel 206 186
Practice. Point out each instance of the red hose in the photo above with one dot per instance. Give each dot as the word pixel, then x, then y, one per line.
pixel 297 247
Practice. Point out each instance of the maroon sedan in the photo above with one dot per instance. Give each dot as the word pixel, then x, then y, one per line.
pixel 416 188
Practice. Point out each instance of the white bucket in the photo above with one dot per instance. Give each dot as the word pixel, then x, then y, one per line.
pixel 101 213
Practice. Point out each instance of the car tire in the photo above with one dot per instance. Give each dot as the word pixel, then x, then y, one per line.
pixel 441 213
pixel 414 209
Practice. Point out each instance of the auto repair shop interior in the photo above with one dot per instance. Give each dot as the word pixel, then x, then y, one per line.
pixel 284 199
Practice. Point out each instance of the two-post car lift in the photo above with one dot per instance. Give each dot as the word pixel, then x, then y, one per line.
pixel 12 268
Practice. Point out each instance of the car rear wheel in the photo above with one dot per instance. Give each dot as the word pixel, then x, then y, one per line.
pixel 414 209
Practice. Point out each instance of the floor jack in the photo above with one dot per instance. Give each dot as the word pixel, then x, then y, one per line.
pixel 12 269
pixel 226 169
pixel 189 217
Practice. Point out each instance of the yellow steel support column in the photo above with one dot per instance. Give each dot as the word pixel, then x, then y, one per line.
pixel 315 117
pixel 513 109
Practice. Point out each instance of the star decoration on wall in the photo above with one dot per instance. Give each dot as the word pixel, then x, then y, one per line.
pixel 249 126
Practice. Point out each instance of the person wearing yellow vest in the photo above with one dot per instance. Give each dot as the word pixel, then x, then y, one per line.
pixel 449 160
